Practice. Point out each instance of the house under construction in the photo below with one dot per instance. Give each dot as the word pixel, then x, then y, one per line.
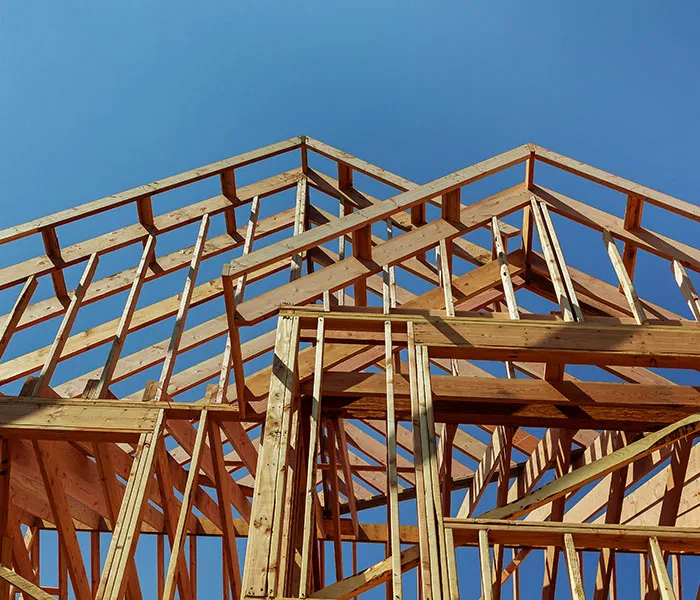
pixel 353 385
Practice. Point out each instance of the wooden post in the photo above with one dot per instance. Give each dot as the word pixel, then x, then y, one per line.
pixel 260 571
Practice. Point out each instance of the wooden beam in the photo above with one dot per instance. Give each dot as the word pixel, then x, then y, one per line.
pixel 375 213
pixel 598 468
pixel 299 222
pixel 311 476
pixel 618 183
pixel 179 327
pixel 162 185
pixel 687 289
pixel 633 220
pixel 624 279
pixel 575 343
pixel 644 239
pixel 573 568
pixel 658 568
pixel 127 527
pixel 178 542
pixel 125 321
pixel 586 536
pixel 485 564
pixel 367 579
pixel 60 509
pixel 44 379
pixel 27 588
pixel 10 325
pixel 260 573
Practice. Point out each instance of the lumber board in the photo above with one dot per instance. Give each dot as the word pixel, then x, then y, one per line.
pixel 620 184
pixel 150 189
pixel 586 536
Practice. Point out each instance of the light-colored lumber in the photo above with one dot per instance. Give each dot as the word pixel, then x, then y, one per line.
pixel 178 542
pixel 618 183
pixel 372 214
pixel 555 273
pixel 179 326
pixel 27 588
pixel 367 579
pixel 485 564
pixel 310 489
pixel 14 316
pixel 163 185
pixel 598 468
pixel 125 321
pixel 259 572
pixel 624 278
pixel 658 568
pixel 299 221
pixel 67 537
pixel 687 289
pixel 573 568
pixel 391 464
pixel 44 378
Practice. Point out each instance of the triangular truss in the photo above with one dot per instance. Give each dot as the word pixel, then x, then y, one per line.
pixel 405 377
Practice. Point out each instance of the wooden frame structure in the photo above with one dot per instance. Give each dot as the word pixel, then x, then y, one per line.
pixel 331 408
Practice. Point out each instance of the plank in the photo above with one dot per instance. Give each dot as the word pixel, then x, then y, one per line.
pixel 598 468
pixel 27 588
pixel 10 325
pixel 150 189
pixel 67 537
pixel 620 184
pixel 44 379
pixel 485 565
pixel 553 267
pixel 645 239
pixel 571 343
pixel 127 527
pixel 573 568
pixel 125 320
pixel 137 233
pixel 367 579
pixel 311 475
pixel 299 221
pixel 178 542
pixel 259 572
pixel 179 326
pixel 633 219
pixel 624 279
pixel 658 568
pixel 586 536
pixel 687 289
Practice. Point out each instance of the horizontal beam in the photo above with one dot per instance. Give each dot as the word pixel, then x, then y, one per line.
pixel 81 419
pixel 534 338
pixel 494 401
pixel 587 536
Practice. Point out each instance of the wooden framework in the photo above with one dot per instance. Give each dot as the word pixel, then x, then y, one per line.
pixel 322 401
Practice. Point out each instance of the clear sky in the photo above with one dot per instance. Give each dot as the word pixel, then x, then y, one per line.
pixel 99 97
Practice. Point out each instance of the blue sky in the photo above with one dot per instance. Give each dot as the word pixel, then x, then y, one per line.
pixel 97 98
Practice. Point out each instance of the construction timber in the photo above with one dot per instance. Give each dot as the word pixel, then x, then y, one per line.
pixel 347 392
